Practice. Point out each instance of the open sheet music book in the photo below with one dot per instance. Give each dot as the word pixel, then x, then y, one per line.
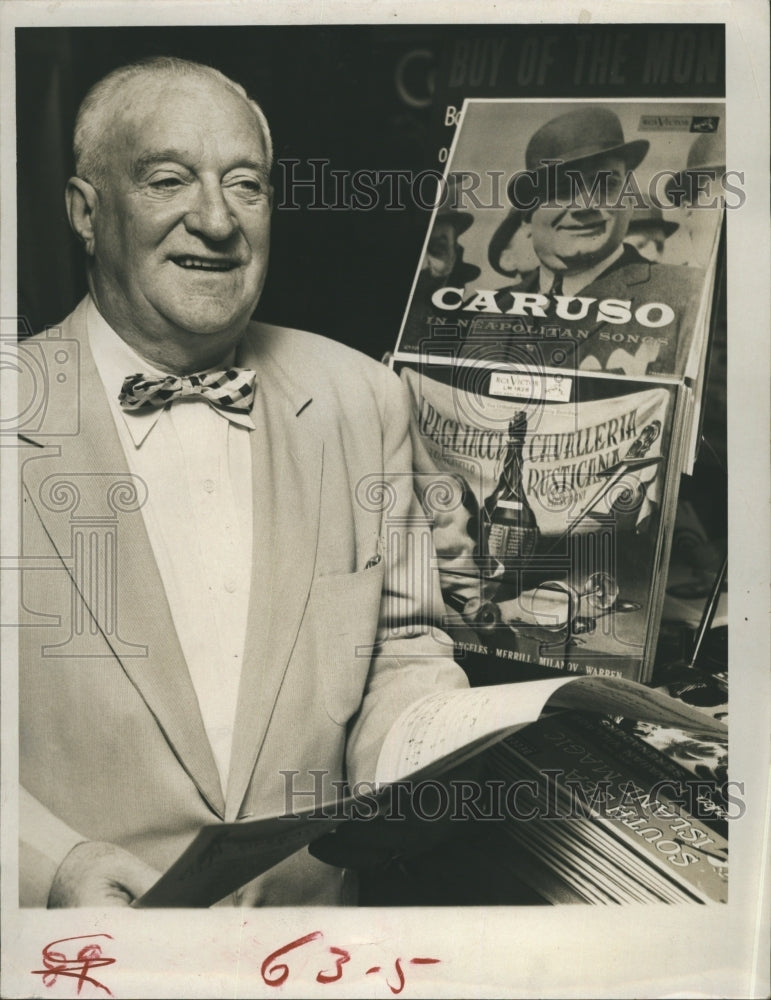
pixel 431 736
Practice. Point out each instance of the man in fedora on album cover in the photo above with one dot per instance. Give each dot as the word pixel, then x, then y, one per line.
pixel 579 242
pixel 649 231
pixel 443 262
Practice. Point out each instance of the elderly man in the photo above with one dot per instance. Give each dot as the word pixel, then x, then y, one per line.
pixel 217 580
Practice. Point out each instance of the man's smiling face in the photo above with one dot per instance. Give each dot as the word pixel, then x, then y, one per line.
pixel 573 239
pixel 182 223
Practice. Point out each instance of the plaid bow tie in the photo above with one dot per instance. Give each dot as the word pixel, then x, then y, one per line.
pixel 231 390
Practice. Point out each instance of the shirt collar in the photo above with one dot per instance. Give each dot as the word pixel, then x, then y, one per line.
pixel 573 283
pixel 115 361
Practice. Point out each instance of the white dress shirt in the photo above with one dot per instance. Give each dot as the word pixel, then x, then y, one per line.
pixel 196 463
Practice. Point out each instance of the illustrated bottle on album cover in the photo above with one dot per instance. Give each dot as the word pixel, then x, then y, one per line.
pixel 513 530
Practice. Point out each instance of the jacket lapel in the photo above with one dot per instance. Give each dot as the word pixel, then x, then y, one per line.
pixel 286 471
pixel 142 637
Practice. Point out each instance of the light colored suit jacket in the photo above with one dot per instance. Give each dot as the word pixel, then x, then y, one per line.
pixel 339 636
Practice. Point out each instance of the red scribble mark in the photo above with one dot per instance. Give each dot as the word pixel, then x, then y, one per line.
pixel 283 969
pixel 325 977
pixel 400 974
pixel 88 957
pixel 275 974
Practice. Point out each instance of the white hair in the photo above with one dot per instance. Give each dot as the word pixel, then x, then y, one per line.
pixel 102 102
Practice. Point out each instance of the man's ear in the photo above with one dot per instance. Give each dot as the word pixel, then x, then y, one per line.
pixel 81 199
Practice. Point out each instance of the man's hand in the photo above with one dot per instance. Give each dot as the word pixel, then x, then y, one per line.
pixel 99 874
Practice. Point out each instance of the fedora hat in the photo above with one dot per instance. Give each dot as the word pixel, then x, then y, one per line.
pixel 583 134
pixel 652 217
pixel 460 221
pixel 706 153
pixel 450 197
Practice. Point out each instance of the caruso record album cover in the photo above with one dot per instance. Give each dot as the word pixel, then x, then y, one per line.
pixel 522 378
pixel 384 441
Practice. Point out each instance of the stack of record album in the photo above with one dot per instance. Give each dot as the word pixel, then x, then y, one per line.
pixel 591 817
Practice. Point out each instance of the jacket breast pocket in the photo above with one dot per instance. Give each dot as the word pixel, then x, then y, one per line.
pixel 345 609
